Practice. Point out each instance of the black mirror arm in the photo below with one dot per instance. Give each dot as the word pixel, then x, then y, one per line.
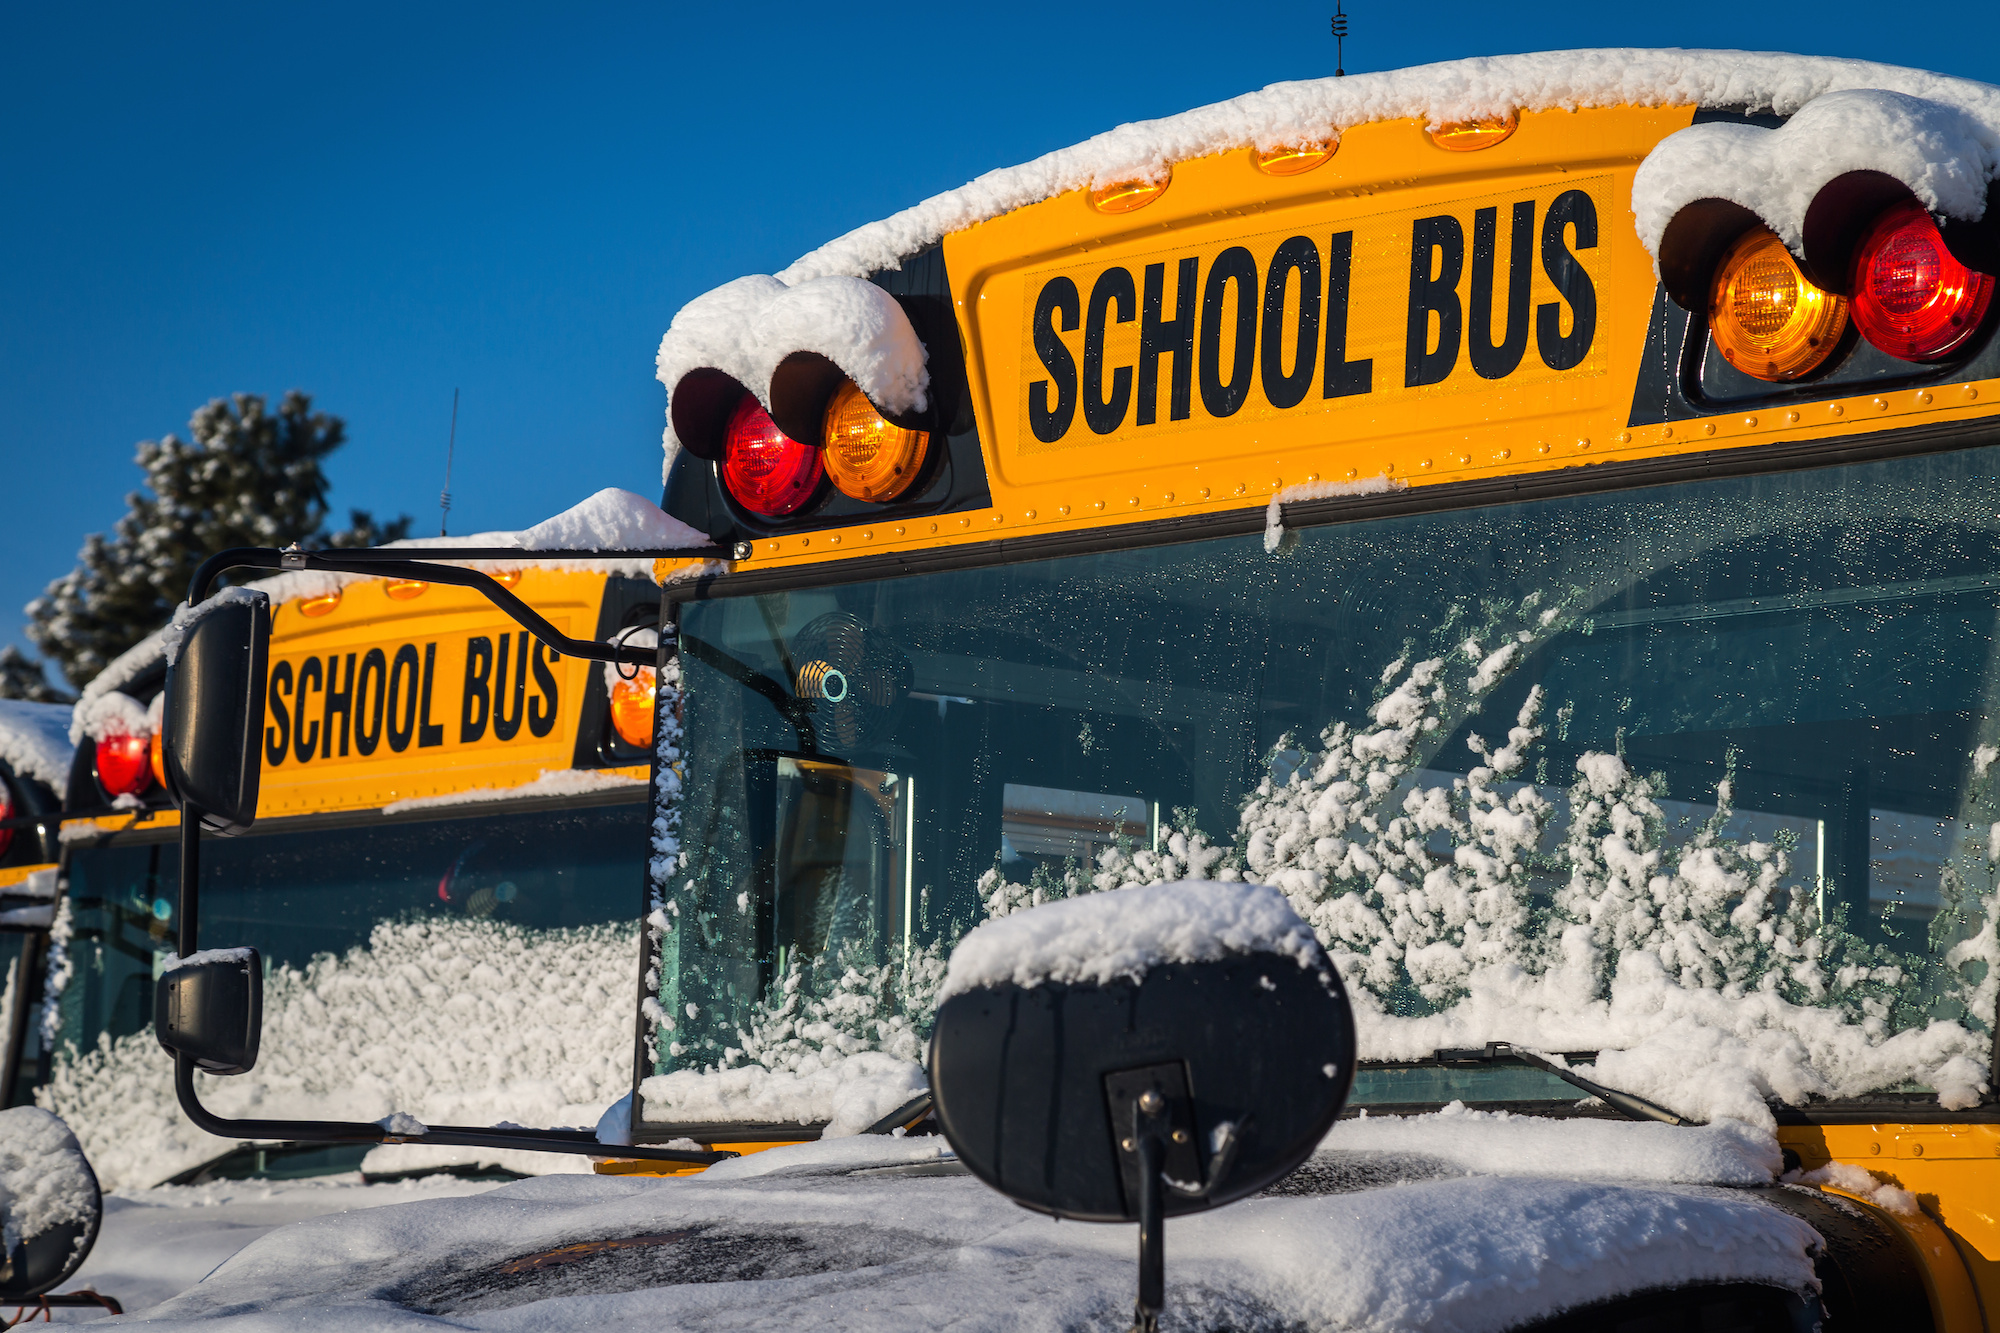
pixel 404 564
pixel 456 1136
pixel 389 562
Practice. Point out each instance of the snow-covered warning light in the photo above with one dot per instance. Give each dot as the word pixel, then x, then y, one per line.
pixel 768 471
pixel 869 457
pixel 1912 298
pixel 156 758
pixel 1767 317
pixel 632 708
pixel 123 766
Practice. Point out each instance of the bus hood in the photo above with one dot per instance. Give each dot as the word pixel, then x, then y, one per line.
pixel 884 1233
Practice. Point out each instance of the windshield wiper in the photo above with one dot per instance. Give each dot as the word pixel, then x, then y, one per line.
pixel 1625 1103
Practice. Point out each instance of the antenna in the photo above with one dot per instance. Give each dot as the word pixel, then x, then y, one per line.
pixel 1339 39
pixel 451 446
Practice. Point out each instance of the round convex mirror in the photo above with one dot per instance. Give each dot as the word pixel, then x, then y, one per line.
pixel 1205 1010
pixel 50 1207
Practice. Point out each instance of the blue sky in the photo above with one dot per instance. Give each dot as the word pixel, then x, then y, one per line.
pixel 379 204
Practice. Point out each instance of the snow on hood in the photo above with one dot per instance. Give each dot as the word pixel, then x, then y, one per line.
pixel 1497 1143
pixel 1939 135
pixel 611 520
pixel 851 1093
pixel 35 742
pixel 44 1180
pixel 839 1229
pixel 1102 937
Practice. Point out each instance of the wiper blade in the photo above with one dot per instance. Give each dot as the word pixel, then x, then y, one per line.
pixel 1626 1104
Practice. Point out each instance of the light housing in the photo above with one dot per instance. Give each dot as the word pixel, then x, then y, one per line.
pixel 767 471
pixel 1469 136
pixel 868 456
pixel 1294 161
pixel 1767 318
pixel 124 767
pixel 404 590
pixel 1126 196
pixel 632 704
pixel 314 607
pixel 1912 297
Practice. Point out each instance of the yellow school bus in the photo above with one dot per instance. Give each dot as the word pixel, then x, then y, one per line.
pixel 1539 513
pixel 432 776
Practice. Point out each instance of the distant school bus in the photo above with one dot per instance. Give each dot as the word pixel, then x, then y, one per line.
pixel 425 761
pixel 1536 513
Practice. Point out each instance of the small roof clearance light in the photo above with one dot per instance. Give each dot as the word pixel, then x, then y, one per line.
pixel 404 590
pixel 508 578
pixel 1912 298
pixel 1126 196
pixel 315 607
pixel 1767 318
pixel 1469 136
pixel 123 767
pixel 1294 161
pixel 868 457
pixel 632 708
pixel 768 471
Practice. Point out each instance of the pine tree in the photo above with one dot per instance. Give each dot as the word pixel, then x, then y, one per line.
pixel 246 477
pixel 21 678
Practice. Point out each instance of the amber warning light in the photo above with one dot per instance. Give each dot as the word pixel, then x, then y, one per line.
pixel 1767 318
pixel 869 457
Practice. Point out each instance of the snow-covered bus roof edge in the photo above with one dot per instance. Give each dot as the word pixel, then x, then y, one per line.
pixel 611 520
pixel 1939 134
pixel 1288 114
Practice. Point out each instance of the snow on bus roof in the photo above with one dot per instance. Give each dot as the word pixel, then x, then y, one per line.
pixel 34 740
pixel 1938 134
pixel 611 520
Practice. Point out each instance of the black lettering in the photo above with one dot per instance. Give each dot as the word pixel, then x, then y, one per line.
pixel 1172 336
pixel 478 698
pixel 429 733
pixel 1492 360
pixel 278 739
pixel 1052 423
pixel 1301 255
pixel 1222 397
pixel 402 695
pixel 337 701
pixel 1572 208
pixel 505 728
pixel 306 743
pixel 1444 237
pixel 1104 415
pixel 367 719
pixel 541 723
pixel 1344 378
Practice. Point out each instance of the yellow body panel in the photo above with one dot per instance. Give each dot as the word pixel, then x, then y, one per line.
pixel 1384 175
pixel 13 875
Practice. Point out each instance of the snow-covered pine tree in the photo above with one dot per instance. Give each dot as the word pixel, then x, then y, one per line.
pixel 21 677
pixel 246 477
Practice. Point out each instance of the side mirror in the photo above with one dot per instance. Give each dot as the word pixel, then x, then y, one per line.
pixel 210 1008
pixel 50 1206
pixel 213 725
pixel 1135 1054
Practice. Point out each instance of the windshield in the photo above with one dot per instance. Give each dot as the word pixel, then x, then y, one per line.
pixel 467 965
pixel 1695 776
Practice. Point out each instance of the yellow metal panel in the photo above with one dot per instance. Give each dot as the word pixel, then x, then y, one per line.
pixel 1954 1170
pixel 13 875
pixel 1385 177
